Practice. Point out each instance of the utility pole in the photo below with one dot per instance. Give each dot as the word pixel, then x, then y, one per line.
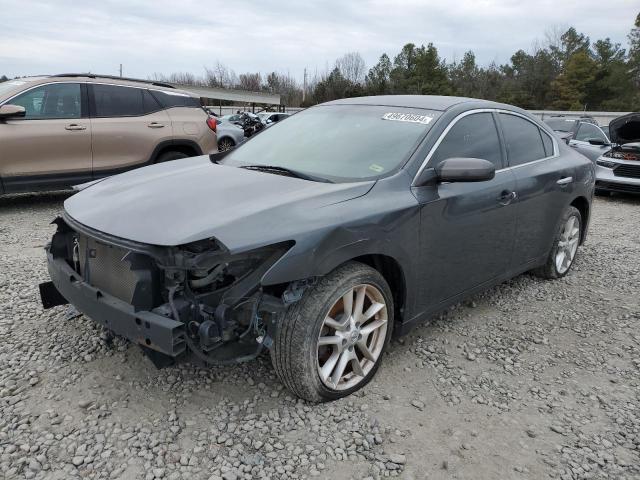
pixel 304 86
pixel 120 70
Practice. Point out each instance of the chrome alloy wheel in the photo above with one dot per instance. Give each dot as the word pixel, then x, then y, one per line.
pixel 568 244
pixel 352 337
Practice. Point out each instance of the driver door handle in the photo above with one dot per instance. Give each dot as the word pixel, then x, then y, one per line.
pixel 565 181
pixel 155 125
pixel 506 197
pixel 75 126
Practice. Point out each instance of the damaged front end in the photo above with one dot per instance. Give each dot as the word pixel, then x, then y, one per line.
pixel 195 301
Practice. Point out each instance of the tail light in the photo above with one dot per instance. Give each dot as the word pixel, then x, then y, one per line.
pixel 212 123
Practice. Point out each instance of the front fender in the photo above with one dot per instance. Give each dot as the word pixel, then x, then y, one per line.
pixel 321 252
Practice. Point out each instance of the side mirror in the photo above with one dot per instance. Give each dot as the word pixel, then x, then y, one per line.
pixel 9 111
pixel 597 141
pixel 465 170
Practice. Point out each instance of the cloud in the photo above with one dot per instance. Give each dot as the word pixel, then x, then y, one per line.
pixel 167 36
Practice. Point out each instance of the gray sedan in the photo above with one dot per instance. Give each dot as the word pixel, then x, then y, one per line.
pixel 323 236
pixel 229 135
pixel 583 135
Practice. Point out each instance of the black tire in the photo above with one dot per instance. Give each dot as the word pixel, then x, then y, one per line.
pixel 550 269
pixel 295 347
pixel 168 156
pixel 225 144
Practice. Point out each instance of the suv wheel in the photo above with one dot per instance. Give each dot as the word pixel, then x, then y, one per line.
pixel 565 246
pixel 330 343
pixel 168 156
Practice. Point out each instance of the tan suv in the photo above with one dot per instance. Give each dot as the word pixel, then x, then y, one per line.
pixel 62 130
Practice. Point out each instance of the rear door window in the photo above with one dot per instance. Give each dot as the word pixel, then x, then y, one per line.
pixel 472 136
pixel 149 103
pixel 57 100
pixel 548 143
pixel 522 138
pixel 117 101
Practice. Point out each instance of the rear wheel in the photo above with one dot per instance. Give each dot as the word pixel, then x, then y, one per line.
pixel 168 156
pixel 565 246
pixel 225 144
pixel 330 343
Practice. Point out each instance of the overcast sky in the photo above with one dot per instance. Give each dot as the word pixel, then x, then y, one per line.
pixel 287 35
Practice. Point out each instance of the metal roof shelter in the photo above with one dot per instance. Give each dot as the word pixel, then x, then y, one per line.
pixel 241 96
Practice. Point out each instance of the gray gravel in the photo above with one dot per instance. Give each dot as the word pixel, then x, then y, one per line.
pixel 530 380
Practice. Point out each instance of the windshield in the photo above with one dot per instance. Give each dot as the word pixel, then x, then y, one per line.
pixel 338 142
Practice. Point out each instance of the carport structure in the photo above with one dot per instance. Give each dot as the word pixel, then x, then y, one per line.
pixel 232 95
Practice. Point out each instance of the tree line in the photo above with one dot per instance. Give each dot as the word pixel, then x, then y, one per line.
pixel 566 71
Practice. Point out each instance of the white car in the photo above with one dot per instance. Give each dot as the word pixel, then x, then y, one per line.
pixel 618 170
pixel 269 118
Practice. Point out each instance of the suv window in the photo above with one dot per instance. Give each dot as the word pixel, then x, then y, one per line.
pixel 472 136
pixel 522 138
pixel 149 103
pixel 115 101
pixel 168 100
pixel 57 100
pixel 586 131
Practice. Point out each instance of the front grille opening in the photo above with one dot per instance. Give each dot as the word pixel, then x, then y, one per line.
pixel 131 277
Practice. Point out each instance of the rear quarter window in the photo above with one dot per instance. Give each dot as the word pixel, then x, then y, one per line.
pixel 169 100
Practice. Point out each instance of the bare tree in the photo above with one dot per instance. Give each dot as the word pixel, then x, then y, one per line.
pixel 220 76
pixel 250 81
pixel 352 67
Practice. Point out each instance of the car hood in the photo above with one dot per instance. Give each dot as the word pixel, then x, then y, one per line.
pixel 625 129
pixel 183 201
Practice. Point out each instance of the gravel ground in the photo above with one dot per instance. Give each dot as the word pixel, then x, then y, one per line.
pixel 530 380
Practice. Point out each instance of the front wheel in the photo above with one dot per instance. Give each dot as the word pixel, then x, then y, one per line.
pixel 565 246
pixel 330 343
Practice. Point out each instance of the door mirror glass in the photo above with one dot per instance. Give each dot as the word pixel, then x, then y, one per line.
pixel 459 169
pixel 8 111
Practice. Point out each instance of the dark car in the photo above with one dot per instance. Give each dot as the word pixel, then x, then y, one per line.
pixel 324 236
pixel 582 134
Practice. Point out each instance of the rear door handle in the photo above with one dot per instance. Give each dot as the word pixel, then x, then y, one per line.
pixel 75 126
pixel 565 181
pixel 155 125
pixel 506 197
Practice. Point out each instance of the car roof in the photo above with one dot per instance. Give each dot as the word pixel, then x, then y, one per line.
pixel 109 79
pixel 430 102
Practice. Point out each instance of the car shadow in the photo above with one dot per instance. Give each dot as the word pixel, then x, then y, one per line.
pixel 618 196
pixel 33 199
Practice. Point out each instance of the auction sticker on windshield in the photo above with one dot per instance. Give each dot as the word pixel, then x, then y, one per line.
pixel 407 117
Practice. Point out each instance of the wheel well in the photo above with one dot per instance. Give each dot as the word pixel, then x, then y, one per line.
pixel 182 148
pixel 582 205
pixel 392 272
pixel 226 137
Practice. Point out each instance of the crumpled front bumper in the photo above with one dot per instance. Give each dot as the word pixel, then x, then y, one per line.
pixel 149 329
